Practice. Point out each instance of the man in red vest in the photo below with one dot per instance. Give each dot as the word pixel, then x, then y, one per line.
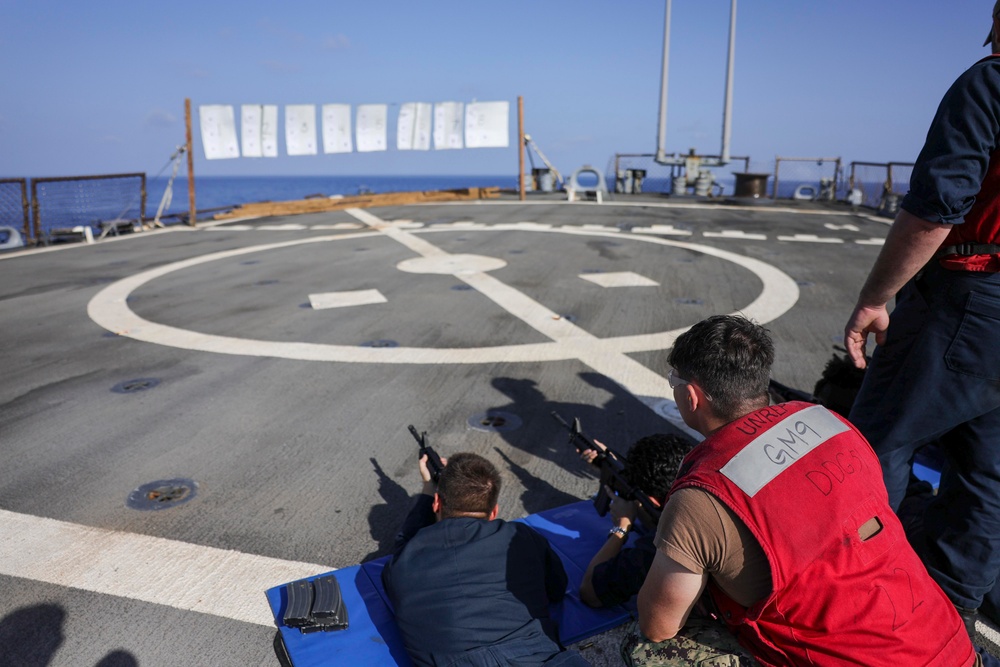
pixel 781 514
pixel 935 375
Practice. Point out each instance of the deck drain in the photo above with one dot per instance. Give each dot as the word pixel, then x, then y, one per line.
pixel 381 342
pixel 266 282
pixel 592 271
pixel 804 283
pixel 515 252
pixel 162 494
pixel 461 288
pixel 250 262
pixel 495 420
pixel 132 386
pixel 686 301
pixel 567 317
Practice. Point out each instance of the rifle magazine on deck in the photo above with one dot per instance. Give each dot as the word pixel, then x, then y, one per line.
pixel 315 606
pixel 300 599
pixel 328 605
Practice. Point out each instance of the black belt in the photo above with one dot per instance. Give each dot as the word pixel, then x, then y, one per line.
pixel 967 249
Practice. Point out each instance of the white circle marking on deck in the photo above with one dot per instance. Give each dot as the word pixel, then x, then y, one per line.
pixel 109 309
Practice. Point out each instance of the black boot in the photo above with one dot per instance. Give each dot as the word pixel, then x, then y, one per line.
pixel 969 617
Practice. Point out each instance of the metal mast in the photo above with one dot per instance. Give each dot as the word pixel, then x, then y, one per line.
pixel 661 143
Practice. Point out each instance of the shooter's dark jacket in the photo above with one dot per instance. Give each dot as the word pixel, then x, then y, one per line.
pixel 618 579
pixel 805 482
pixel 475 592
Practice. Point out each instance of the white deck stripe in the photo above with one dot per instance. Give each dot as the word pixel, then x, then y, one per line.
pixel 809 238
pixel 735 234
pixel 619 279
pixel 185 576
pixel 362 297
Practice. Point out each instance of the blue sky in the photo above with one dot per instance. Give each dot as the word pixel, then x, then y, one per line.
pixel 99 87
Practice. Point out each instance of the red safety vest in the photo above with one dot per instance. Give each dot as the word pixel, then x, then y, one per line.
pixel 982 222
pixel 804 481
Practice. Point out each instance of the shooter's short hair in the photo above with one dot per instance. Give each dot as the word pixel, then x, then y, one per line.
pixel 468 484
pixel 730 358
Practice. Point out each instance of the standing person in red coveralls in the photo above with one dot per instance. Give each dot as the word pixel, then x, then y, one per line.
pixel 935 375
pixel 782 515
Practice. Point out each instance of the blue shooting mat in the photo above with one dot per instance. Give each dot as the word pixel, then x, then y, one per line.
pixel 575 532
pixel 371 637
pixel 928 463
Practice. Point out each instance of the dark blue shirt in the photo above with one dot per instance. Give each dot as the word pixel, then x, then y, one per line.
pixel 965 132
pixel 475 592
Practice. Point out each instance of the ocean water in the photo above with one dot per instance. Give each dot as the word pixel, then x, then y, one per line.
pixel 68 204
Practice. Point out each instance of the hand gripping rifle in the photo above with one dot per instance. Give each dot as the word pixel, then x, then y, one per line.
pixel 433 460
pixel 611 465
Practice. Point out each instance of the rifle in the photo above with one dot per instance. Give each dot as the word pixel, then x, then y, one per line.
pixel 612 465
pixel 433 460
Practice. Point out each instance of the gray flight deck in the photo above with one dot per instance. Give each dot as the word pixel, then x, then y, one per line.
pixel 267 369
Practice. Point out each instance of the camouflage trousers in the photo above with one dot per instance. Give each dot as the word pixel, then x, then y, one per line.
pixel 702 642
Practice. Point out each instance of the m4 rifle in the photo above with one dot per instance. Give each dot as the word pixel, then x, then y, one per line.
pixel 612 466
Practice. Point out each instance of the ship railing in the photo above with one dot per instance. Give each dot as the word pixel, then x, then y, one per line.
pixel 881 184
pixel 14 207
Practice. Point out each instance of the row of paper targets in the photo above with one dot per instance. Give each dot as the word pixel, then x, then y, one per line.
pixel 452 125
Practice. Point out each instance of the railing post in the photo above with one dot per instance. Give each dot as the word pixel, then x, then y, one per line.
pixel 34 212
pixel 193 215
pixel 520 148
pixel 774 194
pixel 142 202
pixel 838 178
pixel 26 215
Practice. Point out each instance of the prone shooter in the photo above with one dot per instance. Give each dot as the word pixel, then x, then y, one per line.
pixel 612 466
